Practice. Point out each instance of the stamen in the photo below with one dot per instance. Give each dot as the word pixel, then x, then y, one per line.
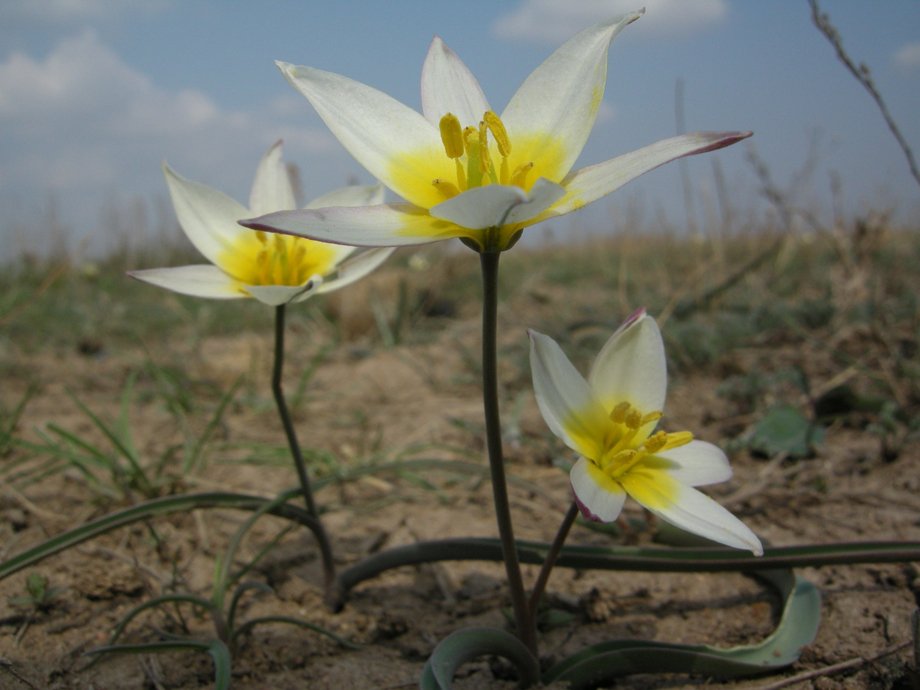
pixel 651 417
pixel 446 188
pixel 261 236
pixel 655 442
pixel 451 136
pixel 497 127
pixel 519 177
pixel 618 413
pixel 678 439
pixel 614 461
pixel 634 419
pixel 469 148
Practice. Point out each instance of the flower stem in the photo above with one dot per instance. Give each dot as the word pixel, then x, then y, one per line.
pixel 322 538
pixel 524 621
pixel 551 556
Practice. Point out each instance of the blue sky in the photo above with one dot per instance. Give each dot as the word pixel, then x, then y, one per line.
pixel 94 95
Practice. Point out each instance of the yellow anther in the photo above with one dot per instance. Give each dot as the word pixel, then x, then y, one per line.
pixel 497 127
pixel 655 442
pixel 678 439
pixel 651 417
pixel 618 413
pixel 452 136
pixel 261 236
pixel 614 461
pixel 633 419
pixel 448 189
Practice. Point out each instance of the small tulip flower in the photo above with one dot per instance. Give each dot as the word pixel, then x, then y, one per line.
pixel 464 170
pixel 273 269
pixel 610 420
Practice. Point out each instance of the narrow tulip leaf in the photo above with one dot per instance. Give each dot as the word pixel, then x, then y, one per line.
pixel 797 628
pixel 469 643
pixel 667 560
pixel 219 652
pixel 153 508
pixel 300 623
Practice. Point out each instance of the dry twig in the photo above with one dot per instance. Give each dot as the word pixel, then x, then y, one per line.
pixel 861 72
pixel 847 665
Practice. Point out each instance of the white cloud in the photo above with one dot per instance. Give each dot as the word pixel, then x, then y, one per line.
pixel 63 11
pixel 908 56
pixel 553 21
pixel 82 125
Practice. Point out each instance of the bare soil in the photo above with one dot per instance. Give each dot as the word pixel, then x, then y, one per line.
pixel 369 404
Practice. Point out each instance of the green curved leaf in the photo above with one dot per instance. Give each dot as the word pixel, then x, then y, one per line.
pixel 149 604
pixel 289 620
pixel 217 649
pixel 149 509
pixel 237 595
pixel 797 628
pixel 467 644
pixel 668 559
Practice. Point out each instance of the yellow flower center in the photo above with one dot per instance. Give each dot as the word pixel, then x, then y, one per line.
pixel 622 452
pixel 259 258
pixel 473 155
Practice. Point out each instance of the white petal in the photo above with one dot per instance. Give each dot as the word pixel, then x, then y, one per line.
pixel 591 183
pixel 560 99
pixel 695 512
pixel 356 268
pixel 495 205
pixel 632 367
pixel 271 189
pixel 566 402
pixel 385 225
pixel 448 86
pixel 276 295
pixel 207 216
pixel 697 464
pixel 376 129
pixel 354 195
pixel 600 502
pixel 199 281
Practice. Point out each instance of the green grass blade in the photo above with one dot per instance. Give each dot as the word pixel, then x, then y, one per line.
pixel 123 446
pixel 219 652
pixel 191 461
pixel 123 423
pixel 470 643
pixel 12 418
pixel 238 594
pixel 150 509
pixel 140 608
pixel 262 552
pixel 289 620
pixel 223 577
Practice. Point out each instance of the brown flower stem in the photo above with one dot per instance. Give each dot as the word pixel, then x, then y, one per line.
pixel 322 538
pixel 524 621
pixel 547 568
